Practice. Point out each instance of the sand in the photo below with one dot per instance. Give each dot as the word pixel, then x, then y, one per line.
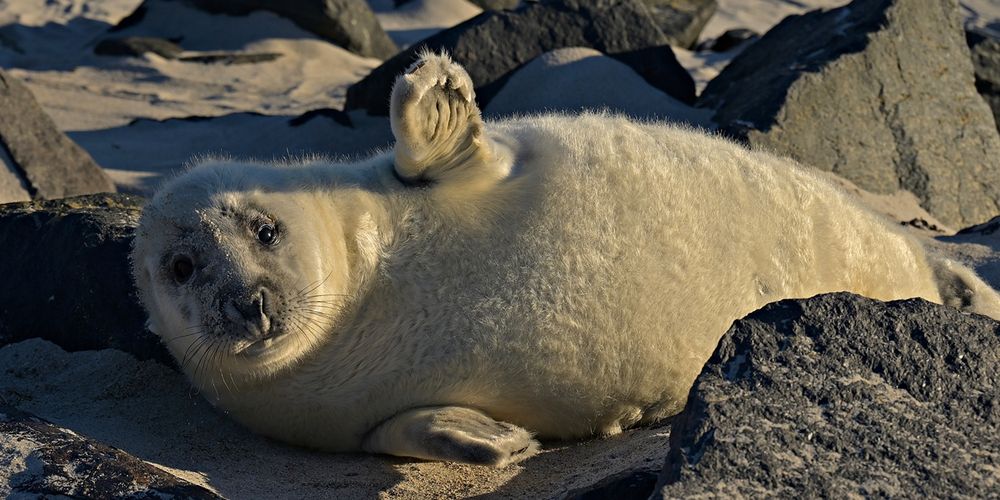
pixel 150 411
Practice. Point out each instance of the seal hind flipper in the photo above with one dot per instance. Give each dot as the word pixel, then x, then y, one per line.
pixel 451 433
pixel 961 288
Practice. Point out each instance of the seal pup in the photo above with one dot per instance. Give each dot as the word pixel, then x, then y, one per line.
pixel 483 284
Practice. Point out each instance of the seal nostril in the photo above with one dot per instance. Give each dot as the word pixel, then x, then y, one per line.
pixel 262 300
pixel 251 311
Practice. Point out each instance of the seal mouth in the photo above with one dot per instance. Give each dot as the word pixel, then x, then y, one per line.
pixel 262 344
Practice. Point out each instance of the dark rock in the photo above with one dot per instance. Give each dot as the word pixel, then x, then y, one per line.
pixel 232 58
pixel 9 41
pixel 841 396
pixel 336 115
pixel 68 261
pixel 879 92
pixel 13 187
pixel 482 4
pixel 63 464
pixel 493 44
pixel 350 24
pixel 923 224
pixel 49 163
pixel 986 62
pixel 497 4
pixel 985 229
pixel 728 40
pixel 681 20
pixel 136 46
pixel 629 485
pixel 132 19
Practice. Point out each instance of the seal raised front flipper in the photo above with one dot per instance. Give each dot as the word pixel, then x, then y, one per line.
pixel 451 433
pixel 438 127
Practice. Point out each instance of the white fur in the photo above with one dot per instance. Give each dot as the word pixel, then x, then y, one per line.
pixel 576 291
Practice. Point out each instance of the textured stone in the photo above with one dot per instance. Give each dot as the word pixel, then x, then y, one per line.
pixel 986 61
pixel 574 79
pixel 497 4
pixel 69 261
pixel 48 164
pixel 879 92
pixel 13 187
pixel 493 44
pixel 629 485
pixel 230 58
pixel 136 46
pixel 728 40
pixel 681 20
pixel 350 24
pixel 841 396
pixel 59 463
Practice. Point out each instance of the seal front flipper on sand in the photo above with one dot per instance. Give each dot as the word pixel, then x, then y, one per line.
pixel 454 434
pixel 440 137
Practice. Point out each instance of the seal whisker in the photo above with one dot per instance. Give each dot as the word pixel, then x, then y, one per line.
pixel 201 356
pixel 222 374
pixel 192 346
pixel 312 289
pixel 301 326
pixel 181 337
pixel 201 361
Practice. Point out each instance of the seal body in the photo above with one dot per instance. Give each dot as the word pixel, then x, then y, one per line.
pixel 566 275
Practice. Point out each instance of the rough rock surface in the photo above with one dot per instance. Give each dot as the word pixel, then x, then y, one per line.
pixel 494 43
pixel 497 4
pixel 230 58
pixel 573 79
pixel 13 187
pixel 729 40
pixel 840 396
pixel 136 46
pixel 879 92
pixel 69 259
pixel 48 164
pixel 681 20
pixel 348 23
pixel 629 485
pixel 42 460
pixel 986 61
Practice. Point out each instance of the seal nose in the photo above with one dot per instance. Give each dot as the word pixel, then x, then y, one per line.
pixel 251 311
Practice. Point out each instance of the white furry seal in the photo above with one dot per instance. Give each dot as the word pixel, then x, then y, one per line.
pixel 557 276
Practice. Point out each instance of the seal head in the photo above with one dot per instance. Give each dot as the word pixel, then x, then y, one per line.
pixel 232 274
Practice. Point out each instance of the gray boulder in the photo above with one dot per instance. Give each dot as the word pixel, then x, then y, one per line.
pixel 43 460
pixel 841 396
pixel 232 58
pixel 13 187
pixel 879 92
pixel 495 43
pixel 69 260
pixel 986 61
pixel 37 160
pixel 729 40
pixel 681 20
pixel 496 4
pixel 350 24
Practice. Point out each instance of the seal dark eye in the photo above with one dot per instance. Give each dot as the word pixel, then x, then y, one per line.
pixel 267 234
pixel 182 268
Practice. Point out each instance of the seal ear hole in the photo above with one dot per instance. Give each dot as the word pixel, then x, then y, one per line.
pixel 182 268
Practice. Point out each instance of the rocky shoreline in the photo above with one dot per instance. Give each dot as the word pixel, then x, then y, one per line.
pixel 833 395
